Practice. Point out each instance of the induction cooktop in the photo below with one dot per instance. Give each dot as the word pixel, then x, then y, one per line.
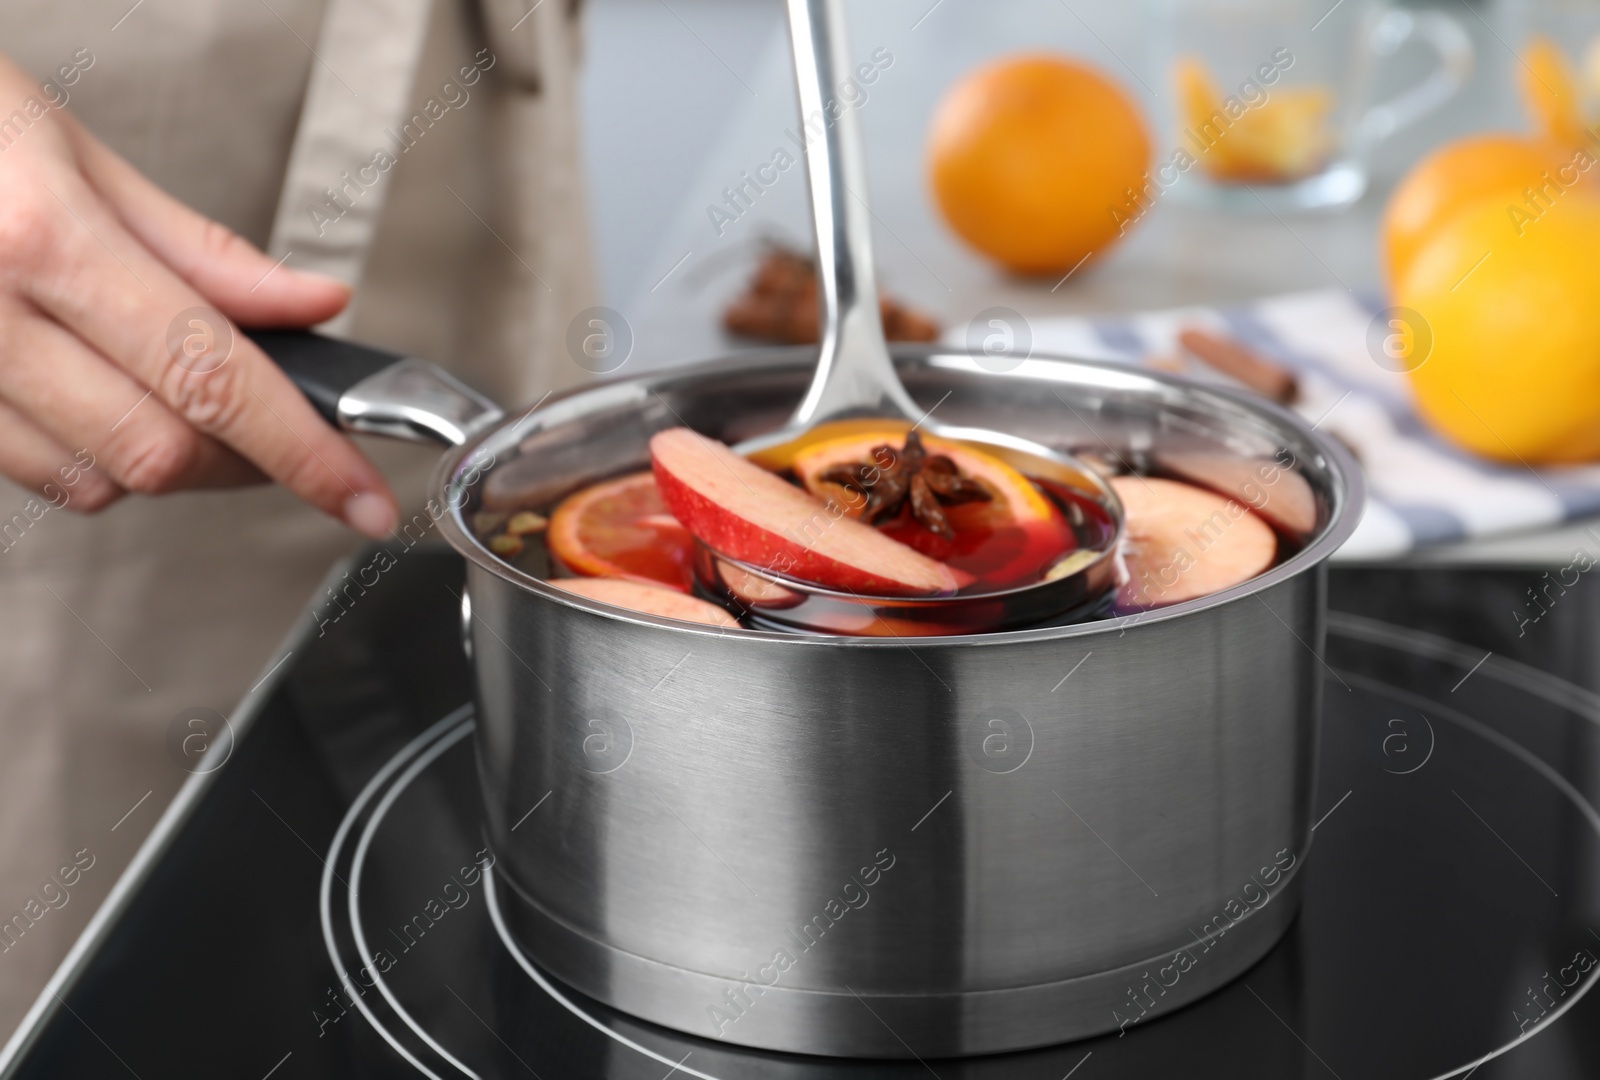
pixel 320 902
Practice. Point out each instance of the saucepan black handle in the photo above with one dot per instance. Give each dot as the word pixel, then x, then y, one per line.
pixel 323 368
pixel 359 388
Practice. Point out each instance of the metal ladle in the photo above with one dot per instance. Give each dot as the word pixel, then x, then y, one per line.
pixel 855 378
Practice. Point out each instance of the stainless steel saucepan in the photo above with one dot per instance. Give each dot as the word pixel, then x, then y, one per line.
pixel 883 847
pixel 864 846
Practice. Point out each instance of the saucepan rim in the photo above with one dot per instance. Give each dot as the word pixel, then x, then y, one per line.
pixel 1347 485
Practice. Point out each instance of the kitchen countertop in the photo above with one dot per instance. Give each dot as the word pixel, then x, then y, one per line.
pixel 659 166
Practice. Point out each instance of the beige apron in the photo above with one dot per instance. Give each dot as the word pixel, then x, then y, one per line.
pixel 469 250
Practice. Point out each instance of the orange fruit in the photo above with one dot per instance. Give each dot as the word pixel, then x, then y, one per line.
pixel 622 528
pixel 1461 173
pixel 1514 313
pixel 1276 140
pixel 1029 156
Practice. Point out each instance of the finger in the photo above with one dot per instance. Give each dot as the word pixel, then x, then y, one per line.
pixel 36 461
pixel 226 269
pixel 83 401
pixel 100 282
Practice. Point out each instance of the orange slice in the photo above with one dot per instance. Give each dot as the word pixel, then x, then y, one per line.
pixel 1200 101
pixel 1285 137
pixel 622 528
pixel 1550 92
pixel 1281 138
pixel 1008 541
pixel 1016 501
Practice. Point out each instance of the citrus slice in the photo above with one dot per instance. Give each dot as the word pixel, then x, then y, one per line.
pixel 650 599
pixel 1201 104
pixel 1280 138
pixel 1009 540
pixel 1549 91
pixel 622 528
pixel 1284 138
pixel 1016 501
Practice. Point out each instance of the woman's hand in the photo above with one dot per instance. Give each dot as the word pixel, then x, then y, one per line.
pixel 97 265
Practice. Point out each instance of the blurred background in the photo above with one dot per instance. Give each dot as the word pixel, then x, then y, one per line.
pixel 1280 224
pixel 678 99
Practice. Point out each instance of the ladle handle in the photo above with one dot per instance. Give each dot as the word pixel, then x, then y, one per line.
pixel 854 373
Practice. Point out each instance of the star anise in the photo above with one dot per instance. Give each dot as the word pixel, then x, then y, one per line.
pixel 893 478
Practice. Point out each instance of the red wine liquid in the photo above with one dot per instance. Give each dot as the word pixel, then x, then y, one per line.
pixel 1008 556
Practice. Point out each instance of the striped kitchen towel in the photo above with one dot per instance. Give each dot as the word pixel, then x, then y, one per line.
pixel 1421 489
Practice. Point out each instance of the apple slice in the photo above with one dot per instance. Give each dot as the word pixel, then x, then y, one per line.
pixel 1279 494
pixel 650 599
pixel 620 528
pixel 747 513
pixel 1181 542
pixel 752 590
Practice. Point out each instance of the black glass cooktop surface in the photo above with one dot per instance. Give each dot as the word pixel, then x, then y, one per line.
pixel 328 908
